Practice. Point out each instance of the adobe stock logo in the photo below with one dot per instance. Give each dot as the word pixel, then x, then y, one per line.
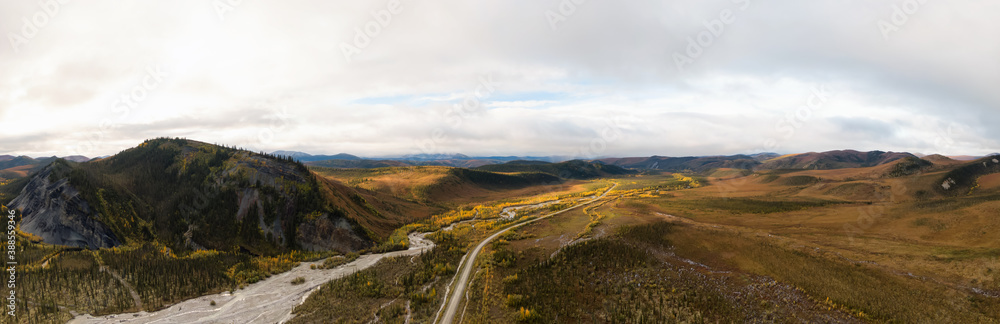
pixel 222 7
pixel 564 10
pixel 900 16
pixel 714 29
pixel 128 101
pixel 30 27
pixel 364 35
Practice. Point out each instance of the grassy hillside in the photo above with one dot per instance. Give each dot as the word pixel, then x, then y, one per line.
pixel 21 166
pixel 439 184
pixel 690 163
pixel 832 160
pixel 845 245
pixel 965 178
pixel 575 169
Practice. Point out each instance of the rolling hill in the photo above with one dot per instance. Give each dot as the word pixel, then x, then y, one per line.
pixel 963 180
pixel 458 161
pixel 357 163
pixel 688 163
pixel 762 161
pixel 575 169
pixel 16 167
pixel 437 184
pixel 184 194
pixel 832 160
pixel 306 157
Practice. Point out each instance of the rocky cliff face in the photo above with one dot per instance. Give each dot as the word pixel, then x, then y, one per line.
pixel 56 212
pixel 193 195
pixel 327 232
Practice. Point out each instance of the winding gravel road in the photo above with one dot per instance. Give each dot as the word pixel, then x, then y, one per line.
pixel 267 301
pixel 454 296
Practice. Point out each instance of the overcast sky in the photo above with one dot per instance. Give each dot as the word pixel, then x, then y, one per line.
pixel 598 78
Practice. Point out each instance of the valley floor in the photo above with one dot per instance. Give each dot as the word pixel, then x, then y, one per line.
pixel 268 301
pixel 782 246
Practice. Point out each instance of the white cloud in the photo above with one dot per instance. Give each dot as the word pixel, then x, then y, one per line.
pixel 272 76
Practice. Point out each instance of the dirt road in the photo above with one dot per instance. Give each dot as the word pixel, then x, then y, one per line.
pixel 454 297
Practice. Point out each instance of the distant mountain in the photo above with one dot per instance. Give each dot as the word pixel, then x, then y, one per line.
pixel 764 156
pixel 357 164
pixel 574 169
pixel 306 157
pixel 939 159
pixel 189 195
pixel 76 158
pixel 22 166
pixel 433 157
pixel 458 163
pixel 8 161
pixel 292 154
pixel 832 160
pixel 689 163
pixel 964 157
pixel 19 161
pixel 451 160
pixel 759 161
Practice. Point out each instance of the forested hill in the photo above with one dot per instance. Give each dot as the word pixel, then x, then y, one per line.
pixel 192 195
pixel 574 169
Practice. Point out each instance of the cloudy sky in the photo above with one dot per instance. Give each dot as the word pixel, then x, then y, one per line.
pixel 523 77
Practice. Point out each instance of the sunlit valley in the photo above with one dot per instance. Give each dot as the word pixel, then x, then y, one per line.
pixel 500 161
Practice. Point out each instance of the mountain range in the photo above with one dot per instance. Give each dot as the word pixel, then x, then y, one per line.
pixel 181 192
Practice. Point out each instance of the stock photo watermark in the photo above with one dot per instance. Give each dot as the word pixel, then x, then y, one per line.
pixel 713 30
pixel 562 12
pixel 365 34
pixel 901 14
pixel 609 133
pixel 456 115
pixel 223 7
pixel 30 27
pixel 123 106
pixel 786 127
pixel 868 215
pixel 275 122
pixel 793 120
pixel 11 262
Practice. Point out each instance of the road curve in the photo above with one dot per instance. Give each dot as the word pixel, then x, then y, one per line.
pixel 450 305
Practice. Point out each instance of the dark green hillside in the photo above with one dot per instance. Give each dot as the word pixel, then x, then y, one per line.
pixel 21 166
pixel 963 180
pixel 689 163
pixel 188 195
pixel 494 181
pixel 575 169
pixel 16 162
pixel 166 187
pixel 908 166
pixel 10 188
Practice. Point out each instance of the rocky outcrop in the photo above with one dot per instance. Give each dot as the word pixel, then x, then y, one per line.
pixel 330 233
pixel 57 213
